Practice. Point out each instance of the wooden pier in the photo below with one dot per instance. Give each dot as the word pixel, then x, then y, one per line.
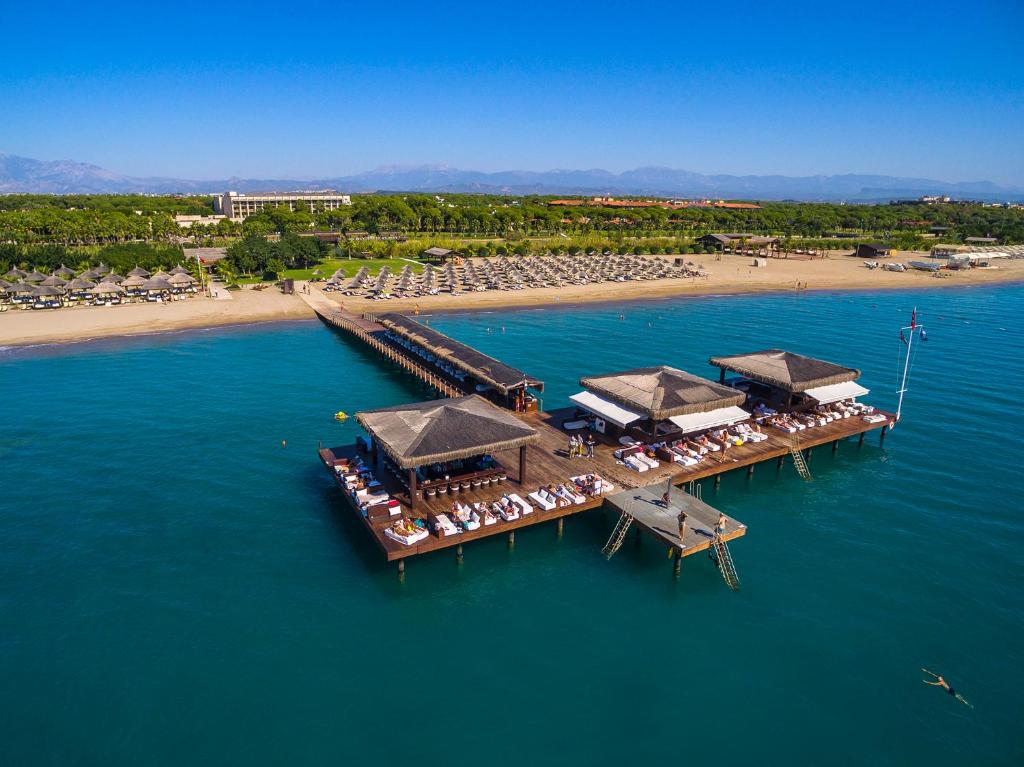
pixel 548 463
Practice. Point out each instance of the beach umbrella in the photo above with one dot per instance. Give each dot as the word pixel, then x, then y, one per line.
pixel 53 281
pixel 180 280
pixel 105 288
pixel 138 271
pixel 34 276
pixel 113 277
pixel 46 290
pixel 156 283
pixel 21 287
pixel 179 269
pixel 80 283
pixel 4 285
pixel 15 274
pixel 160 274
pixel 64 272
pixel 90 274
pixel 102 268
pixel 134 281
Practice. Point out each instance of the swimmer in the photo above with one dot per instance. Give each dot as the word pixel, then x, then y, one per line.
pixel 940 682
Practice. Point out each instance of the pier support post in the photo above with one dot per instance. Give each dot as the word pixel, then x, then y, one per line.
pixel 718 480
pixel 458 554
pixel 881 438
pixel 677 565
pixel 835 445
pixel 511 539
pixel 750 470
pixel 780 463
pixel 401 569
pixel 808 451
pixel 561 526
pixel 860 440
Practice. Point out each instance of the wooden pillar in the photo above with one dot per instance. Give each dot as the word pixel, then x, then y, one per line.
pixel 835 445
pixel 522 465
pixel 881 437
pixel 561 526
pixel 860 440
pixel 511 538
pixel 401 568
pixel 750 470
pixel 677 564
pixel 458 554
pixel 718 480
pixel 373 452
pixel 807 453
pixel 782 460
pixel 721 375
pixel 412 489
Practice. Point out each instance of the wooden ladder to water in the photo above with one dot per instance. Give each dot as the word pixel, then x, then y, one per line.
pixel 618 535
pixel 799 461
pixel 723 558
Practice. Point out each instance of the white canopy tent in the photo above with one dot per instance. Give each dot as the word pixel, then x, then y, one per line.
pixel 836 392
pixel 606 409
pixel 723 416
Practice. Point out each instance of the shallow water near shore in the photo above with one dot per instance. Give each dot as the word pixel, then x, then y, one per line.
pixel 179 587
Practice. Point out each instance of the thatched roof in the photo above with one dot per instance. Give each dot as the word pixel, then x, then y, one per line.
pixel 54 281
pixel 107 287
pixel 156 283
pixel 181 279
pixel 138 271
pixel 80 283
pixel 21 287
pixel 444 430
pixel 134 281
pixel 114 277
pixel 34 276
pixel 63 271
pixel 179 269
pixel 662 392
pixel 482 367
pixel 786 370
pixel 46 290
pixel 15 273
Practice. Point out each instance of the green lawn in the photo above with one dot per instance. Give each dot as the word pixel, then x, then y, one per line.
pixel 348 266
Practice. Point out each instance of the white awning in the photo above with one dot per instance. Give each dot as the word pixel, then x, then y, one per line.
pixel 835 392
pixel 723 416
pixel 605 409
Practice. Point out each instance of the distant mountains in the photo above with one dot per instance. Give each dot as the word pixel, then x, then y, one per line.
pixel 26 175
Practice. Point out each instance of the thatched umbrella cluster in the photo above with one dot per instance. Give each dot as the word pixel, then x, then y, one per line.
pixel 99 284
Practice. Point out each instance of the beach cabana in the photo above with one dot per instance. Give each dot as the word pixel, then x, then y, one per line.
pixel 138 271
pixel 15 274
pixel 792 374
pixel 181 280
pixel 114 277
pixel 656 394
pixel 422 434
pixel 64 273
pixel 156 285
pixel 54 281
pixel 34 276
pixel 179 269
pixel 107 289
pixel 46 296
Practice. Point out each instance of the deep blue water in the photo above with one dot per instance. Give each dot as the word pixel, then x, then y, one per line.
pixel 177 587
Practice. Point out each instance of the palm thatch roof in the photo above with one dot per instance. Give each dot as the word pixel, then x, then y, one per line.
pixel 80 283
pixel 422 433
pixel 46 290
pixel 138 271
pixel 54 281
pixel 482 367
pixel 179 269
pixel 181 279
pixel 15 273
pixel 34 276
pixel 789 371
pixel 21 287
pixel 134 281
pixel 107 287
pixel 156 283
pixel 662 392
pixel 64 272
pixel 114 277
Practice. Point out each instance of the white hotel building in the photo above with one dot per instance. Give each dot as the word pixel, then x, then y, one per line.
pixel 237 206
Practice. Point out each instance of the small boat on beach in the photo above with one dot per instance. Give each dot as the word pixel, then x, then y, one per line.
pixel 926 266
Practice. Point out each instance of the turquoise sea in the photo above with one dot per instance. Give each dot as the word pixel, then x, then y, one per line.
pixel 178 588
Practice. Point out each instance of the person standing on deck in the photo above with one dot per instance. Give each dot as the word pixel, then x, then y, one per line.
pixel 682 527
pixel 590 446
pixel 720 525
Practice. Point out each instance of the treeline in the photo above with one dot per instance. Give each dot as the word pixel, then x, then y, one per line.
pixel 87 219
pixel 120 258
pixel 254 254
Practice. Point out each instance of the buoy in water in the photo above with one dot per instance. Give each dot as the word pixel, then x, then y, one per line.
pixel 341 415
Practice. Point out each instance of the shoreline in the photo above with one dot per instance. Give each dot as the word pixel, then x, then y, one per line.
pixel 729 277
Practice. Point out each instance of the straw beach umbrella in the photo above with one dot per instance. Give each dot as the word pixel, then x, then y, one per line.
pixel 179 269
pixel 34 276
pixel 53 281
pixel 133 281
pixel 180 280
pixel 114 277
pixel 138 271
pixel 80 283
pixel 44 291
pixel 15 274
pixel 107 288
pixel 64 273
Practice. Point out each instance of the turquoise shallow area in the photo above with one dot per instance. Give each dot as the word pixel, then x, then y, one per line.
pixel 178 588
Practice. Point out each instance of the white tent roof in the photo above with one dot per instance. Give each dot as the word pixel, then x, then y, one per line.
pixel 605 409
pixel 710 419
pixel 836 392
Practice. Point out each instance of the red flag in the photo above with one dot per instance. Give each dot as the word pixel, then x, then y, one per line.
pixel 913 319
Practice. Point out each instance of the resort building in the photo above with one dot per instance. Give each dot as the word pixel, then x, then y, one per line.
pixel 872 250
pixel 186 222
pixel 738 240
pixel 238 206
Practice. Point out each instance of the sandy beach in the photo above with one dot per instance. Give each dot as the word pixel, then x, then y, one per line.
pixel 731 274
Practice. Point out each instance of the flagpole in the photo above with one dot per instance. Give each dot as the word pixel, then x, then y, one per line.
pixel 906 362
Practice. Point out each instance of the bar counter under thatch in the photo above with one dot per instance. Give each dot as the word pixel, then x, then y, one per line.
pixel 662 392
pixel 480 366
pixel 788 371
pixel 423 433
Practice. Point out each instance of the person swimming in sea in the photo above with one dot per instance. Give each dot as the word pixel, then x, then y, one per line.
pixel 940 682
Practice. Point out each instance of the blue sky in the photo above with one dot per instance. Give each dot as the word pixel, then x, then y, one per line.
pixel 317 89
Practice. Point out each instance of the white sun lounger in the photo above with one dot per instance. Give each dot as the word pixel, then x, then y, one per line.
pixel 545 501
pixel 524 507
pixel 634 463
pixel 406 540
pixel 447 526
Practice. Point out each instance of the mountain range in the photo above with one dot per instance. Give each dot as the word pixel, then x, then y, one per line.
pixel 27 175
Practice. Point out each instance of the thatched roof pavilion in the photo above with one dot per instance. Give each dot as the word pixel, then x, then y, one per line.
pixel 181 280
pixel 105 288
pixel 54 281
pixel 179 269
pixel 133 281
pixel 15 273
pixel 788 371
pixel 138 271
pixel 64 272
pixel 156 283
pixel 80 283
pixel 480 366
pixel 662 392
pixel 43 291
pixel 438 431
pixel 34 276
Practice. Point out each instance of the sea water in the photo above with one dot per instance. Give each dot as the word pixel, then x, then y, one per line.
pixel 181 583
